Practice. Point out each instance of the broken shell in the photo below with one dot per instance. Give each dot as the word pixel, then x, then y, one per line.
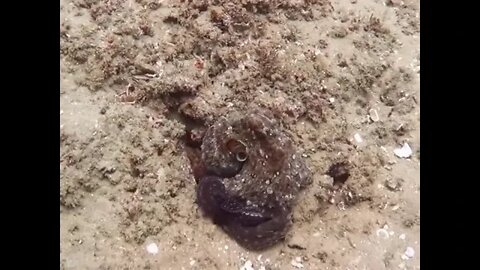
pixel 297 262
pixel 247 266
pixel 373 115
pixel 409 252
pixel 152 248
pixel 383 233
pixel 404 152
pixel 358 138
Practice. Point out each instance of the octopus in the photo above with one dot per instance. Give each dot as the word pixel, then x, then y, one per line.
pixel 249 174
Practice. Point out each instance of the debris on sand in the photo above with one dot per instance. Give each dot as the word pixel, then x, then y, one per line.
pixel 358 138
pixel 409 253
pixel 394 184
pixel 152 248
pixel 297 263
pixel 404 152
pixel 373 115
pixel 247 266
pixel 383 233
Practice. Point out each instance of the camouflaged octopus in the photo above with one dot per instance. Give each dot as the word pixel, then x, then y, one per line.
pixel 251 177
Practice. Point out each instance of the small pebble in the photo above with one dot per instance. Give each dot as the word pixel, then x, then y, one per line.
pixel 402 236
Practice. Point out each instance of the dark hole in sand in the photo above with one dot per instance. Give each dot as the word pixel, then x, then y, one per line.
pixel 340 173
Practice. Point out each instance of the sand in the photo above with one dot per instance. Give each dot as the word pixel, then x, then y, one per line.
pixel 342 76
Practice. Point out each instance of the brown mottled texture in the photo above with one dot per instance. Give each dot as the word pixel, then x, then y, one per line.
pixel 254 174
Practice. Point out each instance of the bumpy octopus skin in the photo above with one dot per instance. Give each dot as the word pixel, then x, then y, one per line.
pixel 251 177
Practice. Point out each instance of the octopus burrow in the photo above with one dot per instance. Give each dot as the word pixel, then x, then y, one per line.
pixel 249 175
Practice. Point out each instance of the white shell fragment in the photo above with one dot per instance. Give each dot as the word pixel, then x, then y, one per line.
pixel 297 262
pixel 409 252
pixel 373 115
pixel 404 152
pixel 247 266
pixel 358 138
pixel 152 248
pixel 383 233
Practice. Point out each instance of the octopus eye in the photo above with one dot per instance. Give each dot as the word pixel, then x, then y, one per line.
pixel 238 148
pixel 241 156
